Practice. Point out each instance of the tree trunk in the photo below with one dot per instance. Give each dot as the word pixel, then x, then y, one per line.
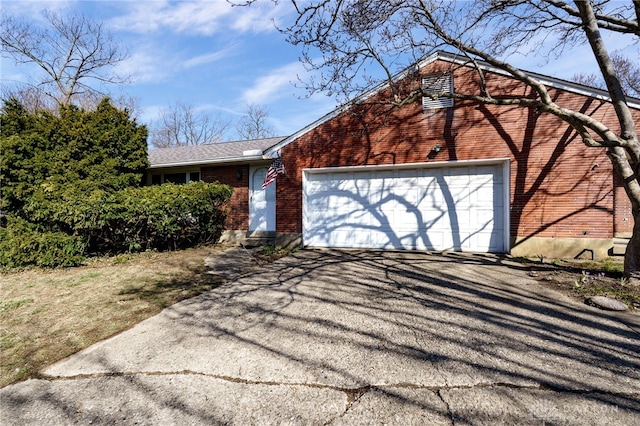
pixel 632 254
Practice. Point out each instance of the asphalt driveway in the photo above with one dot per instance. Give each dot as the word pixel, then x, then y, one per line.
pixel 354 337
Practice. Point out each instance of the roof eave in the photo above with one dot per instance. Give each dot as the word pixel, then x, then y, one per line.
pixel 549 81
pixel 227 160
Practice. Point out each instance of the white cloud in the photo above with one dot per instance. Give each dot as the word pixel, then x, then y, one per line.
pixel 259 17
pixel 191 17
pixel 204 107
pixel 153 62
pixel 274 85
pixel 199 17
pixel 207 58
pixel 148 65
pixel 150 113
pixel 202 17
pixel 34 10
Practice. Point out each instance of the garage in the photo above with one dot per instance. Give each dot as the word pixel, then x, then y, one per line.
pixel 461 206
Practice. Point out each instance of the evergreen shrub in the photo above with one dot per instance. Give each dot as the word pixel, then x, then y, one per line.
pixel 23 244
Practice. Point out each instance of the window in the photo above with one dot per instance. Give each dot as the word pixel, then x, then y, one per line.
pixel 437 84
pixel 175 177
pixel 178 178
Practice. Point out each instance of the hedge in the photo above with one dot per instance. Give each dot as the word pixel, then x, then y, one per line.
pixel 22 244
pixel 162 217
pixel 72 223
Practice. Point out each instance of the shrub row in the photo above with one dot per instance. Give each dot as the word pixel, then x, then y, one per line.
pixel 72 223
pixel 22 243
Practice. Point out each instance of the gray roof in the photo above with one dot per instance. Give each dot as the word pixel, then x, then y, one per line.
pixel 210 153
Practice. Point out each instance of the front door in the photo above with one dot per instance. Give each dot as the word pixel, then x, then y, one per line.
pixel 262 202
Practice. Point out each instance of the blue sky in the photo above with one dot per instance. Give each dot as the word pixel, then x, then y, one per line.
pixel 219 58
pixel 207 54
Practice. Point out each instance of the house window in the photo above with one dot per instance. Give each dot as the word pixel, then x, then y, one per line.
pixel 175 177
pixel 178 178
pixel 437 84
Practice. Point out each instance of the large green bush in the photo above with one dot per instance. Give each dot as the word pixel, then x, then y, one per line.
pixel 103 149
pixel 70 187
pixel 161 217
pixel 22 244
pixel 133 219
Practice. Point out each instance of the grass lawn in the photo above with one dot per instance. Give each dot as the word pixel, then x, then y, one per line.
pixel 47 315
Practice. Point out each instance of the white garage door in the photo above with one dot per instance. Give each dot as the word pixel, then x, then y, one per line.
pixel 445 208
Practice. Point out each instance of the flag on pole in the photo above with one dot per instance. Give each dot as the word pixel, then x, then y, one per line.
pixel 276 168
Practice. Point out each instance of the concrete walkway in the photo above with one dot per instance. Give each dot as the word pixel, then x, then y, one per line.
pixel 342 337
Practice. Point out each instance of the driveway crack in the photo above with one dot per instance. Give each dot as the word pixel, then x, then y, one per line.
pixel 353 396
pixel 449 411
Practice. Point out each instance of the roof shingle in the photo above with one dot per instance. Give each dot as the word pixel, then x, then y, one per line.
pixel 215 152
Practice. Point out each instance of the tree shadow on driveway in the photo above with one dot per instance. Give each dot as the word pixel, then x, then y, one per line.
pixel 436 333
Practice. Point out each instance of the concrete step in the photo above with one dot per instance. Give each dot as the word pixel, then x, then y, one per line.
pixel 619 246
pixel 259 238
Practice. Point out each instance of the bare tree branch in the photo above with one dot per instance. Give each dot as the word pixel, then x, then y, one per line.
pixel 182 125
pixel 75 55
pixel 255 123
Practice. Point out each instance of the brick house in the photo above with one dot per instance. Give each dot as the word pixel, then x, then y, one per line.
pixel 436 175
pixel 240 164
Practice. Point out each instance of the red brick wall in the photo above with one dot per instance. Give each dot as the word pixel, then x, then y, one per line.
pixel 238 206
pixel 559 187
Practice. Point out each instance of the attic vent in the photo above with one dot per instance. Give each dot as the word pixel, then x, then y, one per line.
pixel 437 84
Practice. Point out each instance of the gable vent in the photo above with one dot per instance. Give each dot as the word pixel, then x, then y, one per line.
pixel 437 84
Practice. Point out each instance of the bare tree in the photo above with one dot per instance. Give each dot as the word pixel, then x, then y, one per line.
pixel 30 97
pixel 588 79
pixel 628 71
pixel 32 100
pixel 182 125
pixel 75 55
pixel 360 42
pixel 255 123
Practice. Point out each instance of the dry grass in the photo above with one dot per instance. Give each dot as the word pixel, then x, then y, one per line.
pixel 581 279
pixel 47 315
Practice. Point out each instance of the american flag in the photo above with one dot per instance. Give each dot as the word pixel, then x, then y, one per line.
pixel 276 167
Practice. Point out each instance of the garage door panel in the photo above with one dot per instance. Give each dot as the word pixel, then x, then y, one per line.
pixel 402 219
pixel 436 240
pixel 485 241
pixel 483 192
pixel 461 219
pixel 318 201
pixel 360 218
pixel 350 236
pixel 455 177
pixel 484 217
pixel 444 208
pixel 427 182
pixel 396 204
pixel 434 200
